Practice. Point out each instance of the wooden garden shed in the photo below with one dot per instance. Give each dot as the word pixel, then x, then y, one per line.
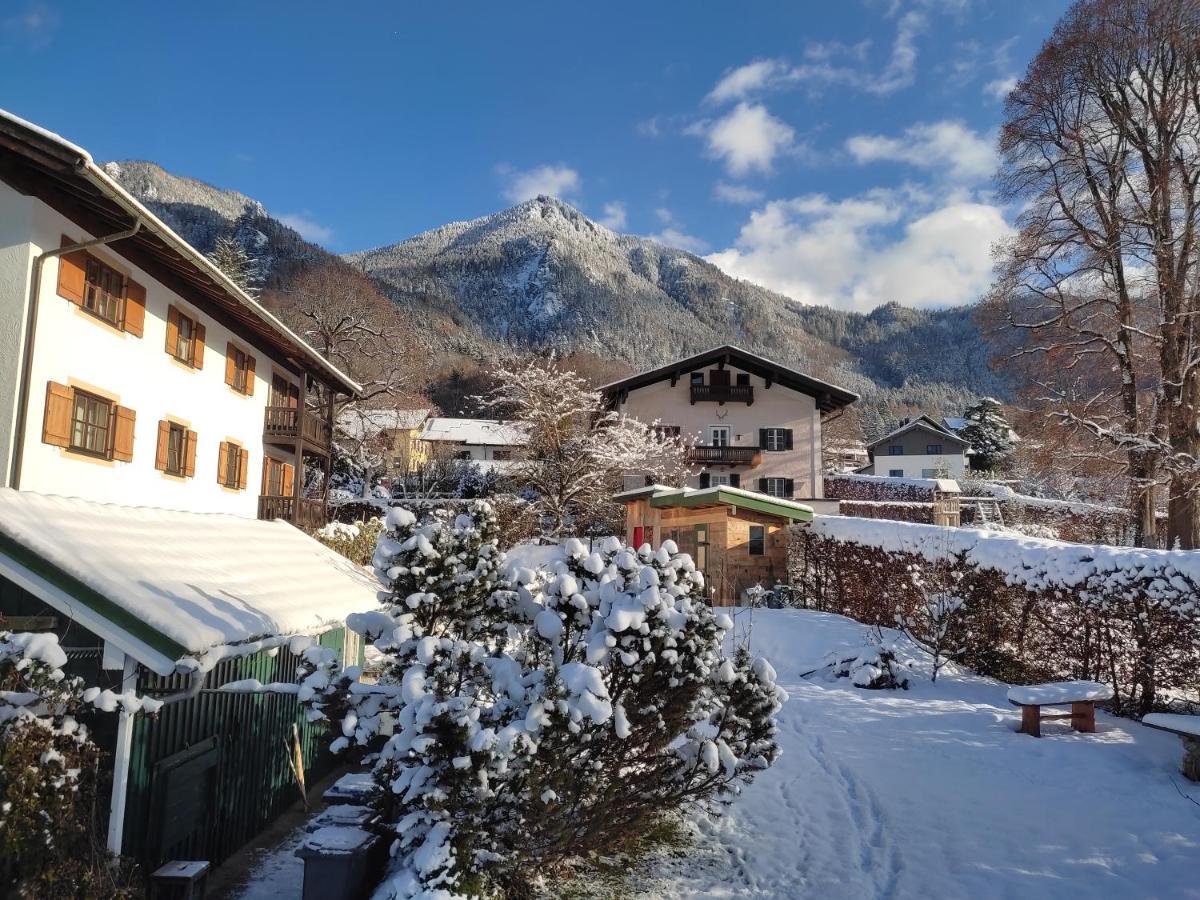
pixel 738 538
pixel 177 605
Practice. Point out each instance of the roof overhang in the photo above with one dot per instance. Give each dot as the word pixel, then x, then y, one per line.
pixel 829 397
pixel 922 422
pixel 63 176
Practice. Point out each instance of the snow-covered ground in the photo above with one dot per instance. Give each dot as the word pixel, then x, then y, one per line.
pixel 931 792
pixel 923 793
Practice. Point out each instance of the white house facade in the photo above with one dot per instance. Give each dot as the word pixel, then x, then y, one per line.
pixel 131 370
pixel 919 447
pixel 750 422
pixel 489 442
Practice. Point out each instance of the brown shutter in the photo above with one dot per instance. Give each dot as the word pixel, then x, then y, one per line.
pixel 198 346
pixel 123 434
pixel 72 273
pixel 222 468
pixel 287 480
pixel 135 307
pixel 266 475
pixel 249 375
pixel 189 466
pixel 242 468
pixel 173 331
pixel 56 424
pixel 230 364
pixel 160 453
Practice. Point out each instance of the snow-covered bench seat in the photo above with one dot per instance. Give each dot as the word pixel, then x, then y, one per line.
pixel 1188 729
pixel 1081 696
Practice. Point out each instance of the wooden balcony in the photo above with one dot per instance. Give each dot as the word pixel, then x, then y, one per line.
pixel 285 423
pixel 303 513
pixel 723 393
pixel 707 455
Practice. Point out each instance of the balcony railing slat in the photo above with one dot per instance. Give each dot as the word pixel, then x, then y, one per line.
pixel 723 393
pixel 729 456
pixel 286 422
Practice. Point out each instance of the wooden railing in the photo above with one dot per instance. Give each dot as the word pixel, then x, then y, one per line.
pixel 305 512
pixel 286 422
pixel 727 456
pixel 723 393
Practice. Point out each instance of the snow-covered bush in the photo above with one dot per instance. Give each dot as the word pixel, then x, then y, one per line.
pixel 354 541
pixel 874 667
pixel 557 715
pixel 49 766
pixel 937 621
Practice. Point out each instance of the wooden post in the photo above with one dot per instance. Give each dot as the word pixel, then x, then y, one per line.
pixel 1031 720
pixel 1083 716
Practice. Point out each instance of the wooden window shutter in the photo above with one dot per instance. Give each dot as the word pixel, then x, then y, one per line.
pixel 189 466
pixel 173 331
pixel 762 438
pixel 72 273
pixel 160 453
pixel 249 375
pixel 222 466
pixel 198 346
pixel 230 364
pixel 787 439
pixel 266 483
pixel 56 424
pixel 762 485
pixel 705 479
pixel 135 307
pixel 789 487
pixel 123 434
pixel 242 469
pixel 735 480
pixel 288 481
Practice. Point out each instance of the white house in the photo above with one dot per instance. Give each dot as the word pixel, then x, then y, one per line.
pixel 918 447
pixel 131 369
pixel 488 442
pixel 752 423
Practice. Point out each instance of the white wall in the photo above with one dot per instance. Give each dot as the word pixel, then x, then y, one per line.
pixel 774 407
pixel 954 465
pixel 77 349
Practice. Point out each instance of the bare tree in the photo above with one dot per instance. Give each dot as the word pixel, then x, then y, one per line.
pixel 1101 147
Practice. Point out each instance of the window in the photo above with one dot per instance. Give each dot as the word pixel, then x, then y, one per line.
pixel 758 539
pixel 239 369
pixel 663 432
pixel 183 345
pixel 91 424
pixel 185 338
pixel 933 449
pixel 275 478
pixel 743 379
pixel 176 449
pixel 697 378
pixel 895 473
pixel 929 473
pixel 776 487
pixel 718 480
pixel 103 291
pixel 718 435
pixel 776 439
pixel 895 449
pixel 233 465
pixel 501 455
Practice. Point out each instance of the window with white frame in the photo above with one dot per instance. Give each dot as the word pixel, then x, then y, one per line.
pixel 895 473
pixel 718 435
pixel 775 487
pixel 775 439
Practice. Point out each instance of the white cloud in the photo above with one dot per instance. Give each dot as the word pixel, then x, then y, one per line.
pixel 736 193
pixel 737 84
pixel 747 138
pixel 614 215
pixel 1000 87
pixel 860 252
pixel 307 227
pixel 553 180
pixel 947 148
pixel 674 235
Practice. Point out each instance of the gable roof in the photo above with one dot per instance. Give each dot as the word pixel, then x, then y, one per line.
pixel 176 589
pixel 661 496
pixel 923 422
pixel 64 176
pixel 829 396
pixel 366 423
pixel 484 432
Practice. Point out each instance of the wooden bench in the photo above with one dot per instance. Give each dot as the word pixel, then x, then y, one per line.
pixel 1081 696
pixel 1188 729
pixel 180 879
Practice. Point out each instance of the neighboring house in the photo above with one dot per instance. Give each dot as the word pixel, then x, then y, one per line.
pixel 738 538
pixel 845 456
pixel 395 433
pixel 489 443
pixel 752 423
pixel 176 606
pixel 131 369
pixel 919 447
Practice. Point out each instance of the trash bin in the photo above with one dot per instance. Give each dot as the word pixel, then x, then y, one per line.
pixel 343 814
pixel 340 862
pixel 357 788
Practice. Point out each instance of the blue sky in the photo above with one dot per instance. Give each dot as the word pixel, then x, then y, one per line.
pixel 840 152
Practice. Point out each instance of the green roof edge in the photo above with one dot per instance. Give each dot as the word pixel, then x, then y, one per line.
pixel 764 505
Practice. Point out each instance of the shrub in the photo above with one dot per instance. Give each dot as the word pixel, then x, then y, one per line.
pixel 354 541
pixel 555 716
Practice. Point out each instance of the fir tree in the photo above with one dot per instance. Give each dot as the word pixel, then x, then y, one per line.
pixel 989 434
pixel 239 266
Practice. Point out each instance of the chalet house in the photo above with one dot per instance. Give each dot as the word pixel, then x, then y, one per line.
pixel 132 370
pixel 919 447
pixel 489 443
pixel 737 538
pixel 752 423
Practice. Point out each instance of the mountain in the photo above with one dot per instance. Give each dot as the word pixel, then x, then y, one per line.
pixel 542 276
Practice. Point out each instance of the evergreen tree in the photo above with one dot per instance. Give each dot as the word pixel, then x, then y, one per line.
pixel 241 268
pixel 989 434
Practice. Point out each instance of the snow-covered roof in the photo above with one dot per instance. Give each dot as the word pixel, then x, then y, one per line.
pixel 663 496
pixel 478 432
pixel 176 589
pixel 954 423
pixel 924 422
pixel 366 423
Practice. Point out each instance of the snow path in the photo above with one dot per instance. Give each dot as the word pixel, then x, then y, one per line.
pixel 932 793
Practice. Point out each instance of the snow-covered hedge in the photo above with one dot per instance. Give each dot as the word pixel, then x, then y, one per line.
pixel 1127 616
pixel 880 488
pixel 898 511
pixel 546 717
